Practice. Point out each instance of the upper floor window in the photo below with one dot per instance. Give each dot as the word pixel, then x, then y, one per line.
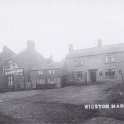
pixel 51 72
pixel 107 59
pixel 40 72
pixel 81 61
pixel 110 59
pixel 78 62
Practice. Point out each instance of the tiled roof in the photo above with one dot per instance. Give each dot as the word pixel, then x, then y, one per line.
pixel 97 50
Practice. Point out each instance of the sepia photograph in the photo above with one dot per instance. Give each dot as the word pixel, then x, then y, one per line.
pixel 61 62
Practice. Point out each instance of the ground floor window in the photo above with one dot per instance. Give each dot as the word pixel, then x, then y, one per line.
pixel 77 75
pixel 110 73
pixel 10 80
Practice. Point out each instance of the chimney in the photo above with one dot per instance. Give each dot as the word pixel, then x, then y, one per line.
pixel 5 48
pixel 99 43
pixel 30 45
pixel 71 48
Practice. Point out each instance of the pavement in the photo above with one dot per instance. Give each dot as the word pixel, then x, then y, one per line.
pixel 53 106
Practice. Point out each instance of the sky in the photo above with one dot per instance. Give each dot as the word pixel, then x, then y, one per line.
pixel 54 24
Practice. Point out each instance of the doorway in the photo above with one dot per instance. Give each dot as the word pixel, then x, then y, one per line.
pixel 92 75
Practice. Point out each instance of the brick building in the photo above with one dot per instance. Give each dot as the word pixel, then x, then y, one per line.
pixel 99 63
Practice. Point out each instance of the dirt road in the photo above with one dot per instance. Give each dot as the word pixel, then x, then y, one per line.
pixel 72 94
pixel 54 106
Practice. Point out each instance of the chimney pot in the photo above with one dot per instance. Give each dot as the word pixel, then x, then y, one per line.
pixel 71 48
pixel 99 43
pixel 30 44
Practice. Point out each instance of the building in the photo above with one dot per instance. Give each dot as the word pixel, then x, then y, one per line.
pixel 99 63
pixel 30 59
pixel 53 74
pixel 5 57
pixel 16 69
pixel 28 69
pixel 47 77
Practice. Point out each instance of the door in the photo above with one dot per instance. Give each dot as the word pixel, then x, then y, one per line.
pixel 93 75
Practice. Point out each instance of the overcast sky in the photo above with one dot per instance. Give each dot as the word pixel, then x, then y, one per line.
pixel 54 24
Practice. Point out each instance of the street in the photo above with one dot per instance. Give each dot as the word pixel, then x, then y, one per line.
pixel 51 106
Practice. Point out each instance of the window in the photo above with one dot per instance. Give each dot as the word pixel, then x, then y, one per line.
pixel 18 71
pixel 78 61
pixel 40 72
pixel 110 73
pixel 10 80
pixel 51 72
pixel 112 59
pixel 109 59
pixel 100 73
pixel 81 61
pixel 77 75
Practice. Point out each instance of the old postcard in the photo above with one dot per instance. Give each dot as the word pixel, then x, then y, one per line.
pixel 61 62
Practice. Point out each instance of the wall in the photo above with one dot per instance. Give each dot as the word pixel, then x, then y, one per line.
pixel 98 62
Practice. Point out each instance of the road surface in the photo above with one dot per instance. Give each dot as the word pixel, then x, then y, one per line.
pixel 53 106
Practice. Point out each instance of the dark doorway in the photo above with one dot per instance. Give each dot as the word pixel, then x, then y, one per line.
pixel 92 75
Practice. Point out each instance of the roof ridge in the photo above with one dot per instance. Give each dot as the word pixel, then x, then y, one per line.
pixel 96 47
pixel 98 50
